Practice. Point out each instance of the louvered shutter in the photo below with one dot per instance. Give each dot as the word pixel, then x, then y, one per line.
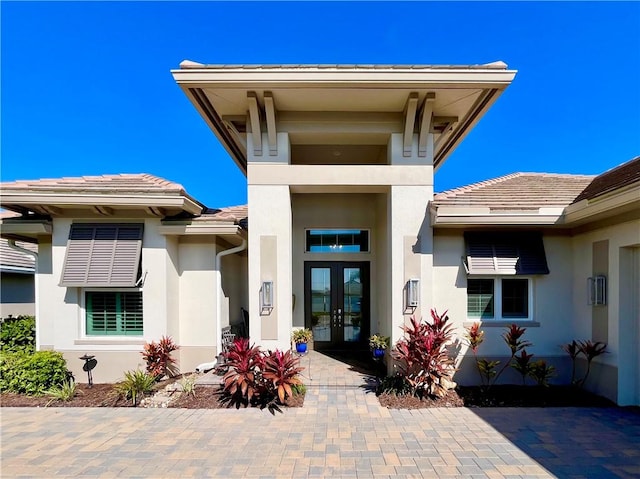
pixel 102 255
pixel 508 253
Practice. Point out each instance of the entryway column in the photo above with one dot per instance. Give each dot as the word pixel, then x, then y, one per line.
pixel 269 248
pixel 411 237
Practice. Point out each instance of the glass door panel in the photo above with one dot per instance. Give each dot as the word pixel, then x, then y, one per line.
pixel 321 306
pixel 352 304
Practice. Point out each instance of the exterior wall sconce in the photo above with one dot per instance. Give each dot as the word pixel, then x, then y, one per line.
pixel 266 297
pixel 413 293
pixel 597 290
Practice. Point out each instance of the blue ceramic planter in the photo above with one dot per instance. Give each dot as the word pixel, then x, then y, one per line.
pixel 378 353
pixel 301 347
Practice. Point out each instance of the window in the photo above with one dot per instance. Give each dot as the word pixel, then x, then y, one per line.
pixel 337 241
pixel 498 298
pixel 116 313
pixel 515 298
pixel 480 298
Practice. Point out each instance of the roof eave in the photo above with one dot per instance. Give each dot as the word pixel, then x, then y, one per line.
pixel 624 198
pixel 460 217
pixel 202 229
pixel 22 229
pixel 30 199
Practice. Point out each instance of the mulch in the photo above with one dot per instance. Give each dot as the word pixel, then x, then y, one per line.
pixel 105 395
pixel 211 397
pixel 502 396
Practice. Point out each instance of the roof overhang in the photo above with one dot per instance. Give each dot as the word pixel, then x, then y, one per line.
pixel 617 202
pixel 224 94
pixel 461 217
pixel 231 232
pixel 25 229
pixel 101 204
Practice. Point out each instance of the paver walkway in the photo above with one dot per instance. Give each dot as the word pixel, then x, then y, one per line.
pixel 340 432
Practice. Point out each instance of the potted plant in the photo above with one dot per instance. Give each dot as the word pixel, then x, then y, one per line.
pixel 378 344
pixel 301 337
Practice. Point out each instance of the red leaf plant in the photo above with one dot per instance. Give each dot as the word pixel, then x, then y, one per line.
pixel 423 357
pixel 280 372
pixel 158 357
pixel 242 380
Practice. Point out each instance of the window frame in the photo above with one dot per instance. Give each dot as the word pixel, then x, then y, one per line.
pixel 116 336
pixel 307 249
pixel 498 314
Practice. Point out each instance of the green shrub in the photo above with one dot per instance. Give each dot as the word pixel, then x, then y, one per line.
pixel 136 383
pixel 18 334
pixel 32 373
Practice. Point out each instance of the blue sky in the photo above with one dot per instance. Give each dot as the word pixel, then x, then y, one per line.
pixel 87 90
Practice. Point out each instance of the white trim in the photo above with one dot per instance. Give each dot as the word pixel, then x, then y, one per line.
pixel 497 300
pixel 107 338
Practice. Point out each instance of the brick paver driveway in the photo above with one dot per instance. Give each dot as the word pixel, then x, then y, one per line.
pixel 340 432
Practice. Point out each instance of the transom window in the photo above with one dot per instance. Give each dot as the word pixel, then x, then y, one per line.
pixel 116 313
pixel 498 298
pixel 337 241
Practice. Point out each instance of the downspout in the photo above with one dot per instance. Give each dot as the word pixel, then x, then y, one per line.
pixel 219 256
pixel 12 244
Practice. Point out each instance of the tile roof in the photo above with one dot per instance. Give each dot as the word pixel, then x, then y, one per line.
pixel 232 214
pixel 613 179
pixel 140 183
pixel 517 192
pixel 10 258
pixel 187 64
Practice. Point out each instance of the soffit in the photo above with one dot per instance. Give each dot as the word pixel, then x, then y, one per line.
pixel 220 93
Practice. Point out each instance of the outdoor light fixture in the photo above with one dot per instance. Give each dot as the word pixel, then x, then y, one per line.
pixel 413 292
pixel 266 297
pixel 89 363
pixel 597 290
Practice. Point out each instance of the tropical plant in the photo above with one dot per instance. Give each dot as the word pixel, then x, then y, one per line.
pixel 64 392
pixel 18 334
pixel 136 383
pixel 244 363
pixel 590 350
pixel 378 341
pixel 280 372
pixel 487 370
pixel 573 350
pixel 396 384
pixel 301 335
pixel 541 372
pixel 158 357
pixel 475 337
pixel 299 389
pixel 32 373
pixel 188 384
pixel 513 339
pixel 423 357
pixel 522 364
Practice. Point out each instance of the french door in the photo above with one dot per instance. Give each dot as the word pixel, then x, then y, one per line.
pixel 337 304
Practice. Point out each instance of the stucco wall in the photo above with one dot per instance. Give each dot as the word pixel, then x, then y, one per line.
pixel 552 304
pixel 61 319
pixel 622 344
pixel 332 211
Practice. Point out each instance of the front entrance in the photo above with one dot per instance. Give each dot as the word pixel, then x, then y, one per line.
pixel 337 304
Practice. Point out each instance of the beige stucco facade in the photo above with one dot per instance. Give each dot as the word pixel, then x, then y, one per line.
pixel 342 149
pixel 179 300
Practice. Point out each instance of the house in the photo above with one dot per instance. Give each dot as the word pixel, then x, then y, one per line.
pixel 17 273
pixel 344 233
